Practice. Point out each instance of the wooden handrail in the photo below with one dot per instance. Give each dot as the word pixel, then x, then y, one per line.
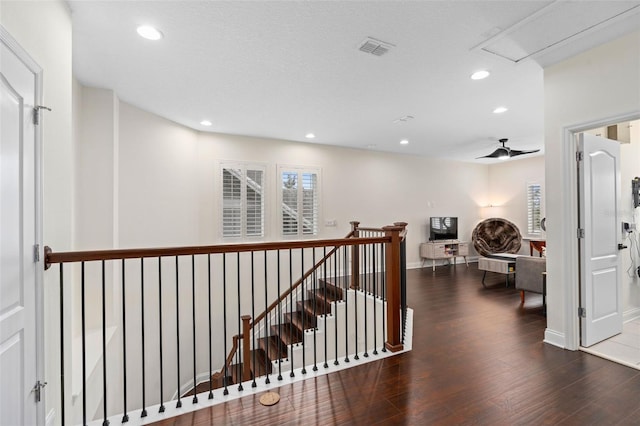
pixel 293 287
pixel 227 362
pixel 380 230
pixel 392 235
pixel 118 254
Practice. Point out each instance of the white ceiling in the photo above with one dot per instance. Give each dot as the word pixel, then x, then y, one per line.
pixel 282 69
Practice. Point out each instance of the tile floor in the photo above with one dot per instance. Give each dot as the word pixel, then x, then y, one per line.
pixel 623 348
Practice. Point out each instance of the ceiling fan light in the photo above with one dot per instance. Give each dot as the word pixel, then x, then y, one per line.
pixel 503 154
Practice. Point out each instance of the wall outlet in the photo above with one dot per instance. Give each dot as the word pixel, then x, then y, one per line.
pixel 331 222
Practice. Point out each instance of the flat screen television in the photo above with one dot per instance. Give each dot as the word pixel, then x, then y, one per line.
pixel 443 228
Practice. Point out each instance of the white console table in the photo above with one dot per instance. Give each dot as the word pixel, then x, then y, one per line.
pixel 444 249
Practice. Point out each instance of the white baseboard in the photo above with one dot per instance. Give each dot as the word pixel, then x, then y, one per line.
pixel 414 265
pixel 555 338
pixel 631 314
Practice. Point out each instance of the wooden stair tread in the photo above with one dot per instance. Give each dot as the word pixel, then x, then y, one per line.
pixel 288 333
pixel 276 349
pixel 333 290
pixel 295 318
pixel 311 308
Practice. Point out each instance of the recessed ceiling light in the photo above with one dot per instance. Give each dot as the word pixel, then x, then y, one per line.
pixel 404 142
pixel 149 32
pixel 479 75
pixel 309 136
pixel 206 123
pixel 500 110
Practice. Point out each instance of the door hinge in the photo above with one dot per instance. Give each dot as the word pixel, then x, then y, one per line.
pixel 579 155
pixel 582 312
pixel 36 113
pixel 37 389
pixel 580 232
pixel 36 253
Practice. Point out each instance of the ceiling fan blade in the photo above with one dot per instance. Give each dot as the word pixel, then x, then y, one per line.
pixel 515 152
pixel 500 152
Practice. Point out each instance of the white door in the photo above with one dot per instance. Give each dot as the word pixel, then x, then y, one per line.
pixel 600 275
pixel 18 275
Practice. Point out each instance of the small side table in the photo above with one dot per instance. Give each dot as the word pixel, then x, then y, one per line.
pixel 536 245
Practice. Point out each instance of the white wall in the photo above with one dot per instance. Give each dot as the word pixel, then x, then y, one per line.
pixel 43 28
pixel 508 192
pixel 599 85
pixel 169 184
pixel 95 176
pixel 160 189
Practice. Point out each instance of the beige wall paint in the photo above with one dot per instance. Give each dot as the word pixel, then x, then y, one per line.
pixel 43 28
pixel 598 85
pixel 507 183
pixel 169 178
pixel 94 169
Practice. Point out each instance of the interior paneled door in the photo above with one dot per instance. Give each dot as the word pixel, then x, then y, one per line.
pixel 18 275
pixel 600 274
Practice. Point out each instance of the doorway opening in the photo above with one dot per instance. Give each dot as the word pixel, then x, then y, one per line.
pixel 624 348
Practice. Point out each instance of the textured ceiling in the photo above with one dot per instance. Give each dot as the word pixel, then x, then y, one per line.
pixel 282 69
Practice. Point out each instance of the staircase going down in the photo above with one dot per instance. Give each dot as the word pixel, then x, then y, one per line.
pixel 283 338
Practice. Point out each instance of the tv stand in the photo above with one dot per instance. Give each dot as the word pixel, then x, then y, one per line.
pixel 444 249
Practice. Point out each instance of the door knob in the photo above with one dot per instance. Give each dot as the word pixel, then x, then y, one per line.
pixel 621 246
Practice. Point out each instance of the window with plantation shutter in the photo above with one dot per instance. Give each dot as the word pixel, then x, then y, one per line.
pixel 299 195
pixel 534 208
pixel 243 203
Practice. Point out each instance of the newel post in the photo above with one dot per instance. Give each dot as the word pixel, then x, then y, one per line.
pixel 355 257
pixel 246 347
pixel 393 272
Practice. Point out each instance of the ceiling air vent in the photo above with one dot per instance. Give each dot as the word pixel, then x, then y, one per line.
pixel 374 46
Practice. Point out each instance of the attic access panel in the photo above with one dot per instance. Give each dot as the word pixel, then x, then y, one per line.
pixel 553 25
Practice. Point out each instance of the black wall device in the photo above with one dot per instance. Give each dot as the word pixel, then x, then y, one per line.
pixel 635 189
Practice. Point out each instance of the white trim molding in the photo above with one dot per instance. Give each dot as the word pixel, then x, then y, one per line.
pixel 555 338
pixel 570 252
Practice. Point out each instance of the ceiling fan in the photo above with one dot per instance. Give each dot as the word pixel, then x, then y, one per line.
pixel 504 152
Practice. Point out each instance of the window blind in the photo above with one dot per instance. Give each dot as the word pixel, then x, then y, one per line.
pixel 242 202
pixel 300 205
pixel 534 208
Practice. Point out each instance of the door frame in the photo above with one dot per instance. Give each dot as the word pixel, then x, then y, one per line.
pixel 32 65
pixel 571 291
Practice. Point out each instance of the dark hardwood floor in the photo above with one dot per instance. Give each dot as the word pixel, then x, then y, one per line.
pixel 477 358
